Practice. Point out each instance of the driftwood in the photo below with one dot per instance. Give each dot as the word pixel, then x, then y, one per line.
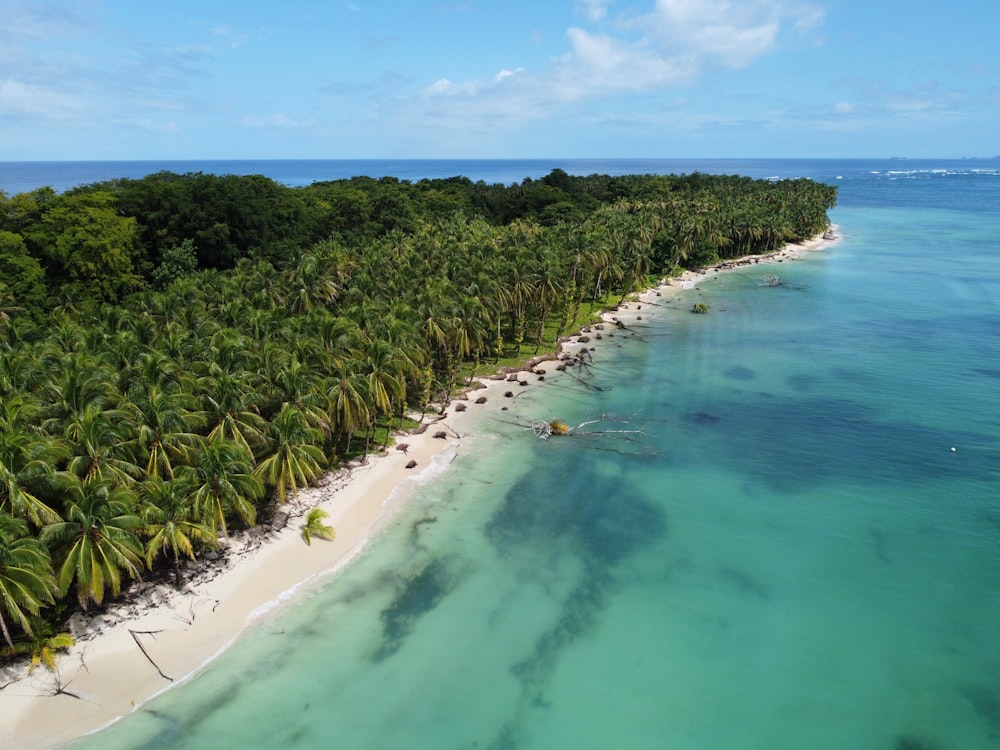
pixel 135 637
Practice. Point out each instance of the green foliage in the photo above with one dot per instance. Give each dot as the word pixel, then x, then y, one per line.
pixel 21 273
pixel 284 331
pixel 700 308
pixel 314 526
pixel 177 262
pixel 86 246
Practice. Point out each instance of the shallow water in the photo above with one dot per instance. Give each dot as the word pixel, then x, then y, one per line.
pixel 791 555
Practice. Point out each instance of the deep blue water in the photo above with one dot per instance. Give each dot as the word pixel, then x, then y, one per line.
pixel 18 177
pixel 791 556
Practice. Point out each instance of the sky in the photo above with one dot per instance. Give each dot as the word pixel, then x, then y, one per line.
pixel 329 79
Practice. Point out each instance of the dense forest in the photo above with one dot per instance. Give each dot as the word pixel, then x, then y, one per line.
pixel 179 353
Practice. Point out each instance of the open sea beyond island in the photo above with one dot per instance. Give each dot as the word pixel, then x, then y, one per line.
pixel 802 550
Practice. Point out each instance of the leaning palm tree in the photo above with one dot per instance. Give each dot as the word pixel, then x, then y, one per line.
pixel 98 541
pixel 42 645
pixel 27 582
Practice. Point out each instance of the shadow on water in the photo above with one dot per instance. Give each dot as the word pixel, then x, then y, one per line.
pixel 597 521
pixel 417 596
pixel 830 440
pixel 174 728
pixel 986 703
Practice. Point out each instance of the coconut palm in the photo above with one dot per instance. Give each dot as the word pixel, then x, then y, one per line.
pixel 27 457
pixel 349 398
pixel 42 644
pixel 164 430
pixel 171 521
pixel 314 526
pixel 27 582
pixel 223 484
pixel 295 458
pixel 98 541
pixel 97 442
pixel 230 405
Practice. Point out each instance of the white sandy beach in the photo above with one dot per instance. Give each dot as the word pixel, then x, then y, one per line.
pixel 107 675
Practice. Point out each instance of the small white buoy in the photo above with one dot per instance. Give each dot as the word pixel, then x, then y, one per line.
pixel 952 450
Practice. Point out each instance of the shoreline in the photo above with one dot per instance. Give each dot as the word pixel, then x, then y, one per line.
pixel 163 637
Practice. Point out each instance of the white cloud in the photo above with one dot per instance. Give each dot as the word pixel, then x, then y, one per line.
pixel 671 45
pixel 20 101
pixel 594 10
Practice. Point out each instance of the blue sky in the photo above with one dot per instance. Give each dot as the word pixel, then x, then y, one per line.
pixel 213 79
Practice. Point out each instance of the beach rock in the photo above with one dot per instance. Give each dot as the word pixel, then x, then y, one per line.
pixel 411 464
pixel 508 394
pixel 583 339
pixel 441 435
pixel 522 382
pixel 403 447
pixel 481 400
pixel 459 407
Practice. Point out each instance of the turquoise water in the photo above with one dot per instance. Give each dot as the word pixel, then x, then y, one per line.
pixel 790 555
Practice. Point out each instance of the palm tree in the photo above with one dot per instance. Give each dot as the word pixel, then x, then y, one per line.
pixel 27 458
pixel 42 647
pixel 230 403
pixel 295 459
pixel 97 443
pixel 164 430
pixel 349 398
pixel 314 526
pixel 98 541
pixel 27 582
pixel 171 521
pixel 7 306
pixel 223 484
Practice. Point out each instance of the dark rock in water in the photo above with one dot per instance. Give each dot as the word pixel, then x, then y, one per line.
pixel 509 394
pixel 910 742
pixel 739 372
pixel 411 464
pixel 583 339
pixel 481 400
pixel 701 417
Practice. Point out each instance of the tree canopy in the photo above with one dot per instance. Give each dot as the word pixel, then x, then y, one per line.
pixel 181 352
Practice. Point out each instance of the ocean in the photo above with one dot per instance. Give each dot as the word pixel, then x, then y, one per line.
pixel 800 548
